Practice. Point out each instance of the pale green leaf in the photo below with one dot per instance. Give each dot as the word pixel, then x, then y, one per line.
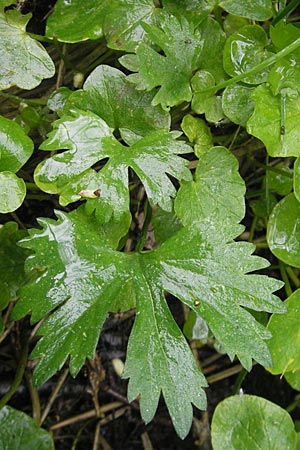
pixel 251 9
pixel 279 132
pixel 283 233
pixel 285 342
pixel 19 431
pixel 247 422
pixel 24 61
pixel 108 93
pixel 217 192
pixel 12 192
pixel 195 11
pixel 198 133
pixel 208 103
pixel 245 49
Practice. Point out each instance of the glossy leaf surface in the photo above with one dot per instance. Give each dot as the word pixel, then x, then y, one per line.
pixel 283 232
pixel 194 11
pixel 267 121
pixel 75 21
pixel 90 140
pixel 250 422
pixel 252 9
pixel 15 146
pixel 24 61
pixel 244 50
pixel 285 342
pixel 12 192
pixel 108 93
pixel 182 46
pixel 82 270
pixel 19 431
pixel 123 24
pixel 216 193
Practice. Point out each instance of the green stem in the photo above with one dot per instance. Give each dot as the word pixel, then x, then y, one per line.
pixel 293 277
pixel 17 100
pixel 286 11
pixel 32 186
pixel 18 377
pixel 238 382
pixel 261 66
pixel 285 279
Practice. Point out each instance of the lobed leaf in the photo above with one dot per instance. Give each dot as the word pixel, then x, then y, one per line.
pixel 252 9
pixel 182 46
pixel 24 61
pixel 83 278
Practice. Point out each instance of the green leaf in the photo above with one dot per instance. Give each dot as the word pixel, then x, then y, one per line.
pixel 24 61
pixel 182 46
pixel 12 192
pixel 66 21
pixel 267 121
pixel 15 146
pixel 123 24
pixel 251 9
pixel 293 378
pixel 281 180
pixel 19 432
pixel 165 224
pixel 237 103
pixel 194 11
pixel 283 233
pixel 252 423
pixel 245 49
pixel 233 23
pixel 285 342
pixel 208 103
pixel 12 259
pixel 83 279
pixel 217 192
pixel 90 140
pixel 195 327
pixel 108 93
pixel 198 133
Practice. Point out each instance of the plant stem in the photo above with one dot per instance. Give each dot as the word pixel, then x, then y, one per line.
pixel 293 277
pixel 258 68
pixel 17 100
pixel 285 279
pixel 18 378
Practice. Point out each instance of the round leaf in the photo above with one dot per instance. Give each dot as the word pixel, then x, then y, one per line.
pixel 237 103
pixel 15 146
pixel 66 21
pixel 244 50
pixel 251 9
pixel 285 342
pixel 18 431
pixel 251 423
pixel 198 133
pixel 12 192
pixel 283 232
pixel 267 120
